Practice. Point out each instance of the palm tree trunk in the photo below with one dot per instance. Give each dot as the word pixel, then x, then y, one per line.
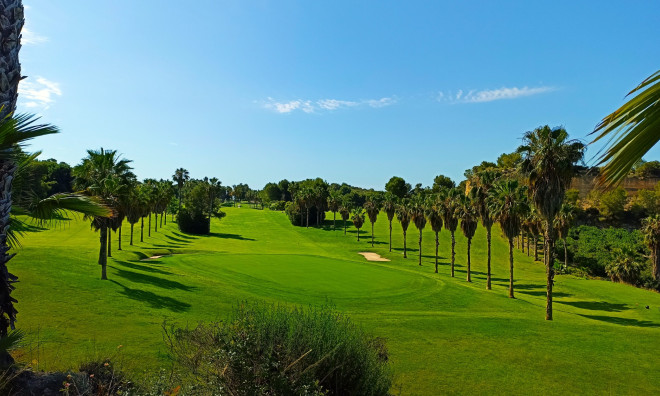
pixel 334 220
pixel 488 235
pixel 358 232
pixel 511 268
pixel 565 255
pixel 149 230
pixel 164 215
pixel 7 309
pixel 119 241
pixel 437 243
pixel 536 249
pixel 161 220
pixel 420 247
pixel 109 242
pixel 453 252
pixel 142 229
pixel 549 270
pixel 132 234
pixel 155 221
pixel 372 234
pixel 404 245
pixel 344 227
pixel 307 217
pixel 528 238
pixel 103 258
pixel 469 243
pixel 390 236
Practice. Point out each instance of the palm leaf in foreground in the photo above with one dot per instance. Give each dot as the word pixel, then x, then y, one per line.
pixel 632 130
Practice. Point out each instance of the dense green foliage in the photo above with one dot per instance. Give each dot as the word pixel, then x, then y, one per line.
pixel 264 349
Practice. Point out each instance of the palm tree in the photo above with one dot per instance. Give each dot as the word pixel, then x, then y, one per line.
pixel 563 223
pixel 632 130
pixel 403 215
pixel 345 213
pixel 450 201
pixel 548 163
pixel 334 200
pixel 372 212
pixel 389 207
pixel 467 213
pixel 103 174
pixel 134 207
pixel 508 205
pixel 484 183
pixel 180 177
pixel 358 220
pixel 418 216
pixel 651 232
pixel 434 215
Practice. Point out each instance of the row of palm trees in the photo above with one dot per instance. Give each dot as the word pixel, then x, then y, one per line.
pixel 529 201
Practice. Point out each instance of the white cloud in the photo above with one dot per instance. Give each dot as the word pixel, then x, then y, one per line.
pixel 308 106
pixel 39 93
pixel 489 95
pixel 31 38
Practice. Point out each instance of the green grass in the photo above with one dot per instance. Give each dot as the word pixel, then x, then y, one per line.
pixel 445 335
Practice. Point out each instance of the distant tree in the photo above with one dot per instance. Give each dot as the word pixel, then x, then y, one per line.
pixel 509 161
pixel 563 223
pixel 389 207
pixel 450 201
pixel 648 169
pixel 180 177
pixel 60 176
pixel 403 215
pixel 484 181
pixel 271 192
pixel 284 189
pixel 625 267
pixel 651 232
pixel 398 187
pixel 345 213
pixel 358 220
pixel 612 203
pixel 334 200
pixel 442 181
pixel 484 165
pixel 549 164
pixel 434 215
pixel 372 212
pixel 572 195
pixel 418 217
pixel 508 203
pixel 467 213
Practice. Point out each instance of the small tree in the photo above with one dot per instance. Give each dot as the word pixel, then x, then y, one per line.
pixel 334 201
pixel 468 215
pixel 345 213
pixel 372 212
pixel 403 215
pixel 418 216
pixel 389 207
pixel 449 207
pixel 434 215
pixel 358 220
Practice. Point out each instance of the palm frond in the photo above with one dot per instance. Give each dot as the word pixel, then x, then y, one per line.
pixel 17 130
pixel 631 131
pixel 55 206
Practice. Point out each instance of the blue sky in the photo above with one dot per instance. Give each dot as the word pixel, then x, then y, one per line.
pixel 356 92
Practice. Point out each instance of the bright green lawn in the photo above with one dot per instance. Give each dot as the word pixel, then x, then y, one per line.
pixel 445 335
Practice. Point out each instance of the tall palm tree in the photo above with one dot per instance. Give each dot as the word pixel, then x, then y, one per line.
pixel 549 164
pixel 418 216
pixel 631 131
pixel 508 204
pixel 484 183
pixel 403 215
pixel 372 212
pixel 651 232
pixel 389 207
pixel 180 177
pixel 358 220
pixel 563 223
pixel 345 213
pixel 450 201
pixel 467 213
pixel 103 174
pixel 334 201
pixel 434 215
pixel 134 207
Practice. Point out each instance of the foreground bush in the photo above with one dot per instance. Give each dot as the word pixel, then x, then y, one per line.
pixel 274 350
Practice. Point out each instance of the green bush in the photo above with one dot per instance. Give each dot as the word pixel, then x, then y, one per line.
pixel 267 349
pixel 298 216
pixel 278 205
pixel 193 223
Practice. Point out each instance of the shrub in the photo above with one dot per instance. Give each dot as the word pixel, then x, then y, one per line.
pixel 267 349
pixel 277 205
pixel 193 223
pixel 625 266
pixel 612 203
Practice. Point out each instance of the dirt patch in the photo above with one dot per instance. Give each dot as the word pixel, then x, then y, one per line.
pixel 373 256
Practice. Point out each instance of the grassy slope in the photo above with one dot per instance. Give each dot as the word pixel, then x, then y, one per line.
pixel 445 335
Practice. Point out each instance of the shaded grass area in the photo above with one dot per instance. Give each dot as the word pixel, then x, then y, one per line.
pixel 445 335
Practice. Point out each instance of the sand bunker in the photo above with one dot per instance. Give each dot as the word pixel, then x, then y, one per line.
pixel 373 256
pixel 152 258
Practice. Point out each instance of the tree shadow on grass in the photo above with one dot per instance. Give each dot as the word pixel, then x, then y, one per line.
pixel 154 300
pixel 143 267
pixel 152 280
pixel 408 249
pixel 230 236
pixel 596 305
pixel 527 288
pixel 177 240
pixel 622 321
pixel 184 236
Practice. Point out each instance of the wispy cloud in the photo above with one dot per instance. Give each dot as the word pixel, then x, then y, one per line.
pixel 31 38
pixel 489 95
pixel 309 106
pixel 38 94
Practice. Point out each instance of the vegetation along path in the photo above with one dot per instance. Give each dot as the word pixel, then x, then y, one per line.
pixel 444 335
